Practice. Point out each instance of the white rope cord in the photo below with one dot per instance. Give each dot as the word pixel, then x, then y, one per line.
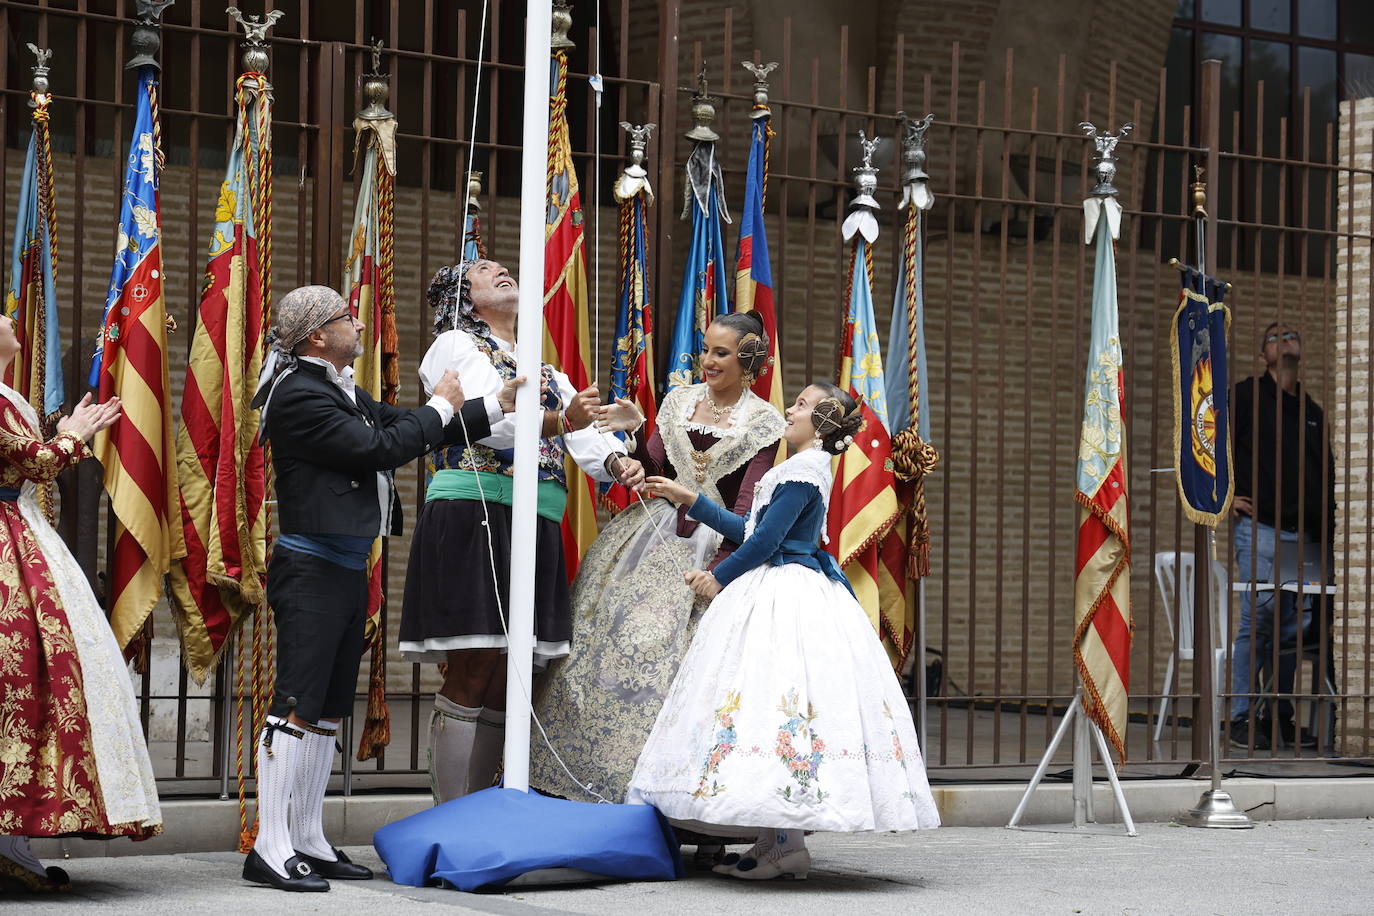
pixel 597 87
pixel 472 142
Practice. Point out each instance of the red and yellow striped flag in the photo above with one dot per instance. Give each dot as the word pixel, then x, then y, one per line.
pixel 566 300
pixel 867 533
pixel 1102 584
pixel 222 579
pixel 372 296
pixel 138 452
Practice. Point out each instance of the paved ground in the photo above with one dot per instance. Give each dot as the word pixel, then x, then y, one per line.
pixel 1291 867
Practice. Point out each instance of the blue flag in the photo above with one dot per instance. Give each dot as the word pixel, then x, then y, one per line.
pixel 31 298
pixel 1202 434
pixel 705 284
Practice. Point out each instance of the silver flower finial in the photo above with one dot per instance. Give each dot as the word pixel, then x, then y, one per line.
pixel 915 178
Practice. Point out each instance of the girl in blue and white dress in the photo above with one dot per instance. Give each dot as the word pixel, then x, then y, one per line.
pixel 785 715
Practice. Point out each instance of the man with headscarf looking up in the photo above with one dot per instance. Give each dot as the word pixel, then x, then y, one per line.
pixel 454 609
pixel 334 449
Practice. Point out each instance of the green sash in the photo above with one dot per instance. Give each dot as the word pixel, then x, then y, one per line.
pixel 497 488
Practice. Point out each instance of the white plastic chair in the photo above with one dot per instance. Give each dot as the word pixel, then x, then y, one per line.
pixel 1174 575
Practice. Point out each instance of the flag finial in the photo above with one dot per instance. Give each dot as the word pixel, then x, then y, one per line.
pixel 635 178
pixel 475 190
pixel 866 175
pixel 146 39
pixel 562 23
pixel 703 111
pixel 40 72
pixel 376 88
pixel 1199 189
pixel 1104 163
pixel 760 72
pixel 255 28
pixel 915 178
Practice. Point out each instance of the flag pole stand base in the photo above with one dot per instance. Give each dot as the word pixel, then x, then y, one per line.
pixel 1215 809
pixel 1086 734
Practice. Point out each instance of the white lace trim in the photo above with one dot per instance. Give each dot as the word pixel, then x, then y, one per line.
pixel 738 414
pixel 755 425
pixel 812 466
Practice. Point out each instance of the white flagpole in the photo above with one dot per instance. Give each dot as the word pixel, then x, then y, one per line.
pixel 530 338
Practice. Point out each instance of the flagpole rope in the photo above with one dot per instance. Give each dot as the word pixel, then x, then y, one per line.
pixel 386 293
pixel 376 731
pixel 47 217
pixel 596 202
pixel 245 838
pixel 254 100
pixel 264 671
pixel 912 457
pixel 47 199
pixel 558 114
pixel 472 139
pixel 156 113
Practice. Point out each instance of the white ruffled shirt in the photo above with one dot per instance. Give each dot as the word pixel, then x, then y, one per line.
pixel 456 350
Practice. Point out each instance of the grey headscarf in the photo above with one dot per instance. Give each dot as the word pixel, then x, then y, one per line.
pixel 295 317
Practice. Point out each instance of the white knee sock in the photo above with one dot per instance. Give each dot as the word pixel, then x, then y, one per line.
pixel 277 765
pixel 487 746
pixel 18 850
pixel 307 798
pixel 452 730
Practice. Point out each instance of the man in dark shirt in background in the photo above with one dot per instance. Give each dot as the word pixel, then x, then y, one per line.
pixel 1285 515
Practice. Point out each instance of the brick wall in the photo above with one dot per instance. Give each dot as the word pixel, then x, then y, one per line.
pixel 1351 420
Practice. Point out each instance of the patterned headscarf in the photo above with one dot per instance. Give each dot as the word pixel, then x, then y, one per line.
pixel 450 294
pixel 295 317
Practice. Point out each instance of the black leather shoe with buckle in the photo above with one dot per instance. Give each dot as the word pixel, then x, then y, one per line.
pixel 299 875
pixel 343 869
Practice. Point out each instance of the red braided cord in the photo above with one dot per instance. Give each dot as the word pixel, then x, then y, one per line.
pixel 47 216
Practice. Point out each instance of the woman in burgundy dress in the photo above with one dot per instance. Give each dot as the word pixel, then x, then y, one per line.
pixel 73 761
pixel 633 615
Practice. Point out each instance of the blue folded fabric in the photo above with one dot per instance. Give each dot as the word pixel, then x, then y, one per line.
pixel 493 836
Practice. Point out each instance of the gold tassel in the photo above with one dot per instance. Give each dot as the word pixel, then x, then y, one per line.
pixel 377 722
pixel 912 459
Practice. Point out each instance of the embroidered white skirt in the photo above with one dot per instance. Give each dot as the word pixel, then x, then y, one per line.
pixel 785 713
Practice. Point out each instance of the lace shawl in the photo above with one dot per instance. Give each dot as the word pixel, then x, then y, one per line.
pixel 754 425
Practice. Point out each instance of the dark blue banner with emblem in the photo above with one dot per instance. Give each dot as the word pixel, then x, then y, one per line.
pixel 1202 432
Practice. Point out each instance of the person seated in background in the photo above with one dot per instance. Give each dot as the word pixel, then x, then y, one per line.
pixel 1285 506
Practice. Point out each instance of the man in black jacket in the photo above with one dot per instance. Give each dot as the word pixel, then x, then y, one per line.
pixel 1285 515
pixel 333 452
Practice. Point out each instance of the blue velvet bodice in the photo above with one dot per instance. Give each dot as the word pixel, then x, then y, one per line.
pixel 786 530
